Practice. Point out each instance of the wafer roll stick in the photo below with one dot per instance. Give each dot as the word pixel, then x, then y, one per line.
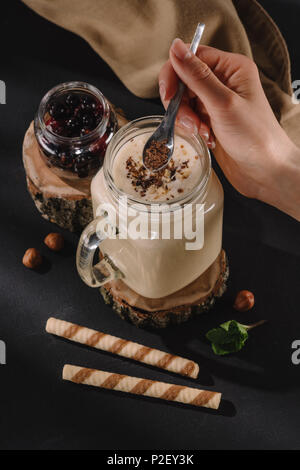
pixel 122 347
pixel 138 386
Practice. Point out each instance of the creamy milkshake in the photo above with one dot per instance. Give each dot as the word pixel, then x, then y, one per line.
pixel 157 267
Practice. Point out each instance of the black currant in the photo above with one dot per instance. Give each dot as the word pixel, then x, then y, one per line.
pixel 73 127
pixel 58 110
pixel 88 121
pixel 72 100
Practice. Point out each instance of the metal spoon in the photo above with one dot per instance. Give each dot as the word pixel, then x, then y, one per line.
pixel 165 131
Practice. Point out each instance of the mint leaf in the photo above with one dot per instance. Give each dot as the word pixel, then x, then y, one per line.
pixel 228 338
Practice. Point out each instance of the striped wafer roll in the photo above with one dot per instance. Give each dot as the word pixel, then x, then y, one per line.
pixel 122 347
pixel 138 386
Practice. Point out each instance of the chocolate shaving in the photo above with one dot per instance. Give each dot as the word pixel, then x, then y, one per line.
pixel 156 155
pixel 142 178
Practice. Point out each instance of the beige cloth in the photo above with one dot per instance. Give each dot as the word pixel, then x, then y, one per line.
pixel 134 36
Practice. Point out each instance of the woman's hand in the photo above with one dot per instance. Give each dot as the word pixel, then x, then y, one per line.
pixel 225 102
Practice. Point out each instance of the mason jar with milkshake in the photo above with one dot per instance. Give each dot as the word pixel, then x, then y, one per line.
pixel 154 265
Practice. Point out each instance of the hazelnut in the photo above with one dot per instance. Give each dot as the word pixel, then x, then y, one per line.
pixel 244 301
pixel 54 241
pixel 32 258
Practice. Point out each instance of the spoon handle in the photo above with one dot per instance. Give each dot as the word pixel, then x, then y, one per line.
pixel 174 104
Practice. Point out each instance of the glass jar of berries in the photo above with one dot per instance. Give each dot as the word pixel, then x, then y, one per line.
pixel 73 127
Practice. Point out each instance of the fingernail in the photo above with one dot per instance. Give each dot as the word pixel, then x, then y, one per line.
pixel 162 90
pixel 205 135
pixel 188 123
pixel 181 51
pixel 211 145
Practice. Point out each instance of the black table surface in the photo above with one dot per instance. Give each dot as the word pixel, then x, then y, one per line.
pixel 38 410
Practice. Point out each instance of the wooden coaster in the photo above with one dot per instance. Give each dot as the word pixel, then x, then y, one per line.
pixel 174 315
pixel 61 201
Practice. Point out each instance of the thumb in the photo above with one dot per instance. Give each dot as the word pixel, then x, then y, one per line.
pixel 198 76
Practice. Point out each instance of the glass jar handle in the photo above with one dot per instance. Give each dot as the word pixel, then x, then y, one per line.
pixel 99 274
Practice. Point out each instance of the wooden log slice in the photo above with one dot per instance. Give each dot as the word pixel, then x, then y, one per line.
pixel 178 313
pixel 66 203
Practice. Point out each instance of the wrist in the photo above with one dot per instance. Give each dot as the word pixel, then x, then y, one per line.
pixel 282 189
